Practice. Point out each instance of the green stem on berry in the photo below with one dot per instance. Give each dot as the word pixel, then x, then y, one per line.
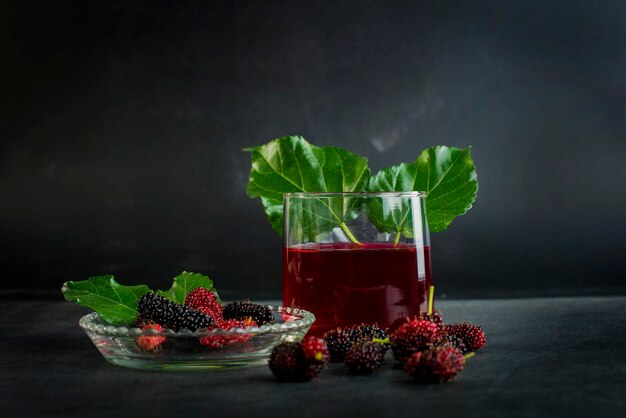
pixel 469 355
pixel 381 340
pixel 431 296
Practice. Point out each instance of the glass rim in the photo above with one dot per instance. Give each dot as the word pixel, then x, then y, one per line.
pixel 354 194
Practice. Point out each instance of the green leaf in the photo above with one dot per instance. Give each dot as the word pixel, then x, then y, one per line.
pixel 291 164
pixel 446 174
pixel 391 216
pixel 184 283
pixel 116 304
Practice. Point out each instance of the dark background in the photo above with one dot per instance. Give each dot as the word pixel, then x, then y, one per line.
pixel 122 123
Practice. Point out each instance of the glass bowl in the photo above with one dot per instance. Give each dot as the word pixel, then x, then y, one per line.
pixel 182 351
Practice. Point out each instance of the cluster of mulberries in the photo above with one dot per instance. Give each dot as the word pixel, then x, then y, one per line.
pixel 159 310
pixel 201 310
pixel 431 351
pixel 233 315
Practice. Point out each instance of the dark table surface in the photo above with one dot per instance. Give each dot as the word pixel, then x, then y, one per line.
pixel 544 358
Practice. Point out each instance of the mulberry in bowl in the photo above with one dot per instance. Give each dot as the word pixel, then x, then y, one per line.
pixel 153 349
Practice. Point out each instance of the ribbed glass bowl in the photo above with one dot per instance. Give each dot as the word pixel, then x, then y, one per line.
pixel 182 351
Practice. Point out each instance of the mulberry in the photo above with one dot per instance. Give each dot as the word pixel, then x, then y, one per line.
pixel 164 312
pixel 205 301
pixel 291 362
pixel 412 336
pixel 364 357
pixel 260 314
pixel 472 335
pixel 435 365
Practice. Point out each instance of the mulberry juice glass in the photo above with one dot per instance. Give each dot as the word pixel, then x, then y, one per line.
pixel 356 257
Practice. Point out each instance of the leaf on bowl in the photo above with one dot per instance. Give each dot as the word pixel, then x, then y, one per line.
pixel 446 174
pixel 290 164
pixel 186 282
pixel 114 302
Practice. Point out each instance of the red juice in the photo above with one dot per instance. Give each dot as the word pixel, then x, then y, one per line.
pixel 346 284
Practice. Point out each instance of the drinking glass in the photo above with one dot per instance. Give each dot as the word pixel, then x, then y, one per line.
pixel 353 258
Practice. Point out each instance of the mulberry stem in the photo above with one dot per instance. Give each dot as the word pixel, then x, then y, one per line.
pixel 431 296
